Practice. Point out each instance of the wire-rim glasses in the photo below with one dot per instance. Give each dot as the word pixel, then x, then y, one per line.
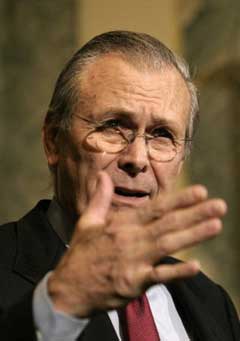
pixel 113 140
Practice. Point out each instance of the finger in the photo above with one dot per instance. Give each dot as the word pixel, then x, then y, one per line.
pixel 165 273
pixel 165 203
pixel 187 217
pixel 179 240
pixel 185 197
pixel 96 212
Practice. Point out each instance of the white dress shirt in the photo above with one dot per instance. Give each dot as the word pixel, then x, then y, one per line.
pixel 57 326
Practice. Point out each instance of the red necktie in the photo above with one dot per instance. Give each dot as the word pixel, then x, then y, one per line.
pixel 137 321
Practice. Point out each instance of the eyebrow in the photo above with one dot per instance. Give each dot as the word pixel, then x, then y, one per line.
pixel 131 115
pixel 115 112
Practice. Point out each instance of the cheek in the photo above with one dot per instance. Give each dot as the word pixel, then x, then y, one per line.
pixel 166 174
pixel 103 160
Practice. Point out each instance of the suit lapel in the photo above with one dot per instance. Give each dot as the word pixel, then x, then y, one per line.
pixel 195 314
pixel 38 246
pixel 193 309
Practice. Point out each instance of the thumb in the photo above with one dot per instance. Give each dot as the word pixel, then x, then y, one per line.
pixel 97 210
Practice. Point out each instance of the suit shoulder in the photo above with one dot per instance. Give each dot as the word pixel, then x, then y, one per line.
pixel 7 233
pixel 8 238
pixel 200 285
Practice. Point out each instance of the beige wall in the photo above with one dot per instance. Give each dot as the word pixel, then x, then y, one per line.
pixel 156 17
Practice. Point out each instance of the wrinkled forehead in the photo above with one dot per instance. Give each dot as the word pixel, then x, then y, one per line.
pixel 113 66
pixel 111 84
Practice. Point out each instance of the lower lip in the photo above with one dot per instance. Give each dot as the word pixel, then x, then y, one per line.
pixel 121 200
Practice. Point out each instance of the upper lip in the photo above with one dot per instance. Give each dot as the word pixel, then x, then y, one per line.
pixel 130 191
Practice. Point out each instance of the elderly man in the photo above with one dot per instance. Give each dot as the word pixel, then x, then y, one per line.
pixel 93 264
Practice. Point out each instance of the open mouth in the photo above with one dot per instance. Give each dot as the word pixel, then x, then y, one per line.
pixel 130 193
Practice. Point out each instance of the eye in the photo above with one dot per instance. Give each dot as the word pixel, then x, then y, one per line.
pixel 112 123
pixel 162 132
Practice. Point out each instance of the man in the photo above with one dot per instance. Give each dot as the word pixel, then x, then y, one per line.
pixel 93 264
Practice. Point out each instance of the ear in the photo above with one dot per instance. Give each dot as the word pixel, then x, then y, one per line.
pixel 51 149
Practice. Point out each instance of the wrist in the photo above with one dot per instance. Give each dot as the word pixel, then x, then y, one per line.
pixel 64 301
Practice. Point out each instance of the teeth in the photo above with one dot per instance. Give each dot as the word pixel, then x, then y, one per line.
pixel 124 192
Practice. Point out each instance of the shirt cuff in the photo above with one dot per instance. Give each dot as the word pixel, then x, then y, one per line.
pixel 52 324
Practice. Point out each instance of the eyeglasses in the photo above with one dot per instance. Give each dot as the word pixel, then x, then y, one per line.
pixel 112 137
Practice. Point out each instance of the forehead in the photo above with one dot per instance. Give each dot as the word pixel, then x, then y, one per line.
pixel 110 85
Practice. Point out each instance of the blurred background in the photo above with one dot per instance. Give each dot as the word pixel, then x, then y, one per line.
pixel 38 37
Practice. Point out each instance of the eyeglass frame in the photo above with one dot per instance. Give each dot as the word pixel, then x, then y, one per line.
pixel 99 124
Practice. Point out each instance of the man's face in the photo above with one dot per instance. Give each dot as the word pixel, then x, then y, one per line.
pixel 111 89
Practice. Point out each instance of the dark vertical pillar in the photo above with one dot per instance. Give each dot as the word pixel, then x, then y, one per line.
pixel 36 39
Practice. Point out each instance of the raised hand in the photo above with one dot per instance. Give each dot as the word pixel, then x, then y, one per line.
pixel 115 257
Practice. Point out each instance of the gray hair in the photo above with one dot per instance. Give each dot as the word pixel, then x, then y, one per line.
pixel 138 49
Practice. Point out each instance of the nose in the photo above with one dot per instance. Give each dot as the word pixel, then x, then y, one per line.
pixel 134 159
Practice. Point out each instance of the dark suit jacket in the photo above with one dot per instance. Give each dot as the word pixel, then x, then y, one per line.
pixel 29 248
